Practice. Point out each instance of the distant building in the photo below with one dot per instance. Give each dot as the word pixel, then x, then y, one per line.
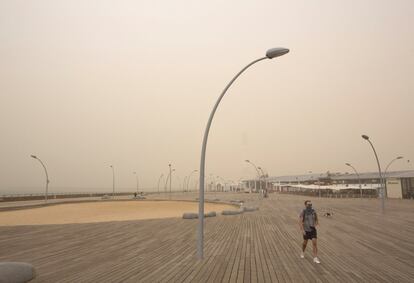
pixel 399 184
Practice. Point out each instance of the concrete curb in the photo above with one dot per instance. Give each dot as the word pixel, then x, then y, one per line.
pixel 231 212
pixel 192 215
pixel 250 209
pixel 16 272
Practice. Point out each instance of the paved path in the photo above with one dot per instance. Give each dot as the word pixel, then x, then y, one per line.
pixel 356 245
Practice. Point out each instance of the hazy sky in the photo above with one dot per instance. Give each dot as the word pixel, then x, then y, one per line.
pixel 86 84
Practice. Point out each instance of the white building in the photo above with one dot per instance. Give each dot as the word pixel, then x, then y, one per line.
pixel 399 184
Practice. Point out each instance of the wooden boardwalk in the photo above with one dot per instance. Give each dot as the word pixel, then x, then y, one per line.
pixel 356 245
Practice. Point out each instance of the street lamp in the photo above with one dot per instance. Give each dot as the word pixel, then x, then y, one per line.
pixel 213 185
pixel 189 177
pixel 264 176
pixel 392 161
pixel 168 178
pixel 159 179
pixel 257 171
pixel 184 182
pixel 359 178
pixel 270 54
pixel 365 137
pixel 113 181
pixel 47 176
pixel 169 165
pixel 386 170
pixel 222 187
pixel 135 173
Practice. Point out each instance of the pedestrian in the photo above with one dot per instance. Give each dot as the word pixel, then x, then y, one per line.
pixel 308 220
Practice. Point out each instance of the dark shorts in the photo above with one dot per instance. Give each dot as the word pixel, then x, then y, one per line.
pixel 310 234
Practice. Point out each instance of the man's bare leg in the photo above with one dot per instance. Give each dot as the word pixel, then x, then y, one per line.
pixel 305 242
pixel 315 251
pixel 315 248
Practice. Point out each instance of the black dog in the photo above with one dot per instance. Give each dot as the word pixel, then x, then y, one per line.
pixel 328 214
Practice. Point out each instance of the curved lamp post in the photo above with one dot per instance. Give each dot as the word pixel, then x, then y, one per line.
pixel 135 173
pixel 213 180
pixel 184 182
pixel 213 185
pixel 265 175
pixel 270 54
pixel 47 176
pixel 169 165
pixel 257 171
pixel 189 177
pixel 168 179
pixel 386 170
pixel 359 178
pixel 113 181
pixel 365 137
pixel 391 162
pixel 159 180
pixel 221 184
pixel 262 176
pixel 238 183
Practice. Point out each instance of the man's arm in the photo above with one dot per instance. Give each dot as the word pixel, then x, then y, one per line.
pixel 301 224
pixel 316 219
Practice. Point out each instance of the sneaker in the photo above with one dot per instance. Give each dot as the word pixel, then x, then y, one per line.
pixel 302 255
pixel 316 260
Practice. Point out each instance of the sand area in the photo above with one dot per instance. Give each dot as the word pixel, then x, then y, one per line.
pixel 103 211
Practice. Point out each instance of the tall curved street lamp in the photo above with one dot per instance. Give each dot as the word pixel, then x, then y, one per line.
pixel 212 181
pixel 184 182
pixel 270 54
pixel 222 187
pixel 168 179
pixel 365 137
pixel 389 164
pixel 113 181
pixel 189 177
pixel 257 171
pixel 159 180
pixel 238 183
pixel 386 170
pixel 213 185
pixel 169 165
pixel 47 175
pixel 359 178
pixel 264 176
pixel 135 173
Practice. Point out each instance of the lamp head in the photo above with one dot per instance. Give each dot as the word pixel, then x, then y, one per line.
pixel 400 157
pixel 276 52
pixel 33 156
pixel 365 137
pixel 347 164
pixel 247 160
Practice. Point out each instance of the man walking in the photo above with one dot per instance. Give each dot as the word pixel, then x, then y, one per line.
pixel 307 222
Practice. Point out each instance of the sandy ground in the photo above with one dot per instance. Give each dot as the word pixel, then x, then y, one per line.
pixel 103 212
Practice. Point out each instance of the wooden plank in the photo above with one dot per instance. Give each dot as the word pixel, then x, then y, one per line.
pixel 261 246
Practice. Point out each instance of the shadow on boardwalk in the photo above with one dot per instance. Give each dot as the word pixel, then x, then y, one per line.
pixel 357 244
